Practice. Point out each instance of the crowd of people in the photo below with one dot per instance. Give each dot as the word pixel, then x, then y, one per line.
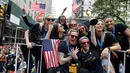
pixel 7 58
pixel 86 47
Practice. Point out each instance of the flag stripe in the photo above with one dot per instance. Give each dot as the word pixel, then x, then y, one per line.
pixel 75 7
pixel 46 59
pixel 38 7
pixel 50 50
pixel 51 54
pixel 53 62
pixel 54 53
pixel 57 55
pixel 50 60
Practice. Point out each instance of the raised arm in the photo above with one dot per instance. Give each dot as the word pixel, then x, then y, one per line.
pixel 25 18
pixel 92 35
pixel 92 31
pixel 49 32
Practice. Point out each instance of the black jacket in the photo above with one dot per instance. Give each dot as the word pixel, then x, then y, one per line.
pixel 26 21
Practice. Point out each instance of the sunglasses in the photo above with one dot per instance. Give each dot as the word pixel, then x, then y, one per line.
pixel 72 36
pixel 73 24
pixel 88 42
pixel 50 19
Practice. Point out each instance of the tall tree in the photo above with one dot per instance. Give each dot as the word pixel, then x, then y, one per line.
pixel 115 8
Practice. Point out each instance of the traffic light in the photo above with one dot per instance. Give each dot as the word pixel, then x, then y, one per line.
pixel 2 10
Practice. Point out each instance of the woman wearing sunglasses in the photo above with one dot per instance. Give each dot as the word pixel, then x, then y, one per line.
pixel 62 21
pixel 89 56
pixel 105 42
pixel 66 49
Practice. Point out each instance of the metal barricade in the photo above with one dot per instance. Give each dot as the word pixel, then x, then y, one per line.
pixel 16 58
pixel 109 56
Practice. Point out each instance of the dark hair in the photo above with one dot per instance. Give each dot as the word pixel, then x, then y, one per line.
pixel 85 27
pixel 107 17
pixel 54 32
pixel 58 21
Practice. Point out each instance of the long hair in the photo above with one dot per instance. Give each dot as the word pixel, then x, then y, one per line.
pixel 65 25
pixel 54 32
pixel 103 24
pixel 58 20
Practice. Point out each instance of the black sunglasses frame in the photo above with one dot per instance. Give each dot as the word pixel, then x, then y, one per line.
pixel 72 36
pixel 49 19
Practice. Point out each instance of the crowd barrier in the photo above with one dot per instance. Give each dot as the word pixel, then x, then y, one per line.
pixel 16 59
pixel 109 57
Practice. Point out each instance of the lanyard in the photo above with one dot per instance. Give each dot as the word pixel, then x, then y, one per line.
pixel 100 44
pixel 113 31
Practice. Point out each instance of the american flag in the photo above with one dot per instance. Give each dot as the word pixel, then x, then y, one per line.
pixel 78 1
pixel 75 7
pixel 50 51
pixel 38 7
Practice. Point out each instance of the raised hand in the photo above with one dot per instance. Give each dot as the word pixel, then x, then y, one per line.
pixel 50 27
pixel 74 53
pixel 23 11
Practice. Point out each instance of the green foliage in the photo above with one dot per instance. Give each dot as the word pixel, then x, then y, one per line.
pixel 123 0
pixel 105 8
pixel 117 21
